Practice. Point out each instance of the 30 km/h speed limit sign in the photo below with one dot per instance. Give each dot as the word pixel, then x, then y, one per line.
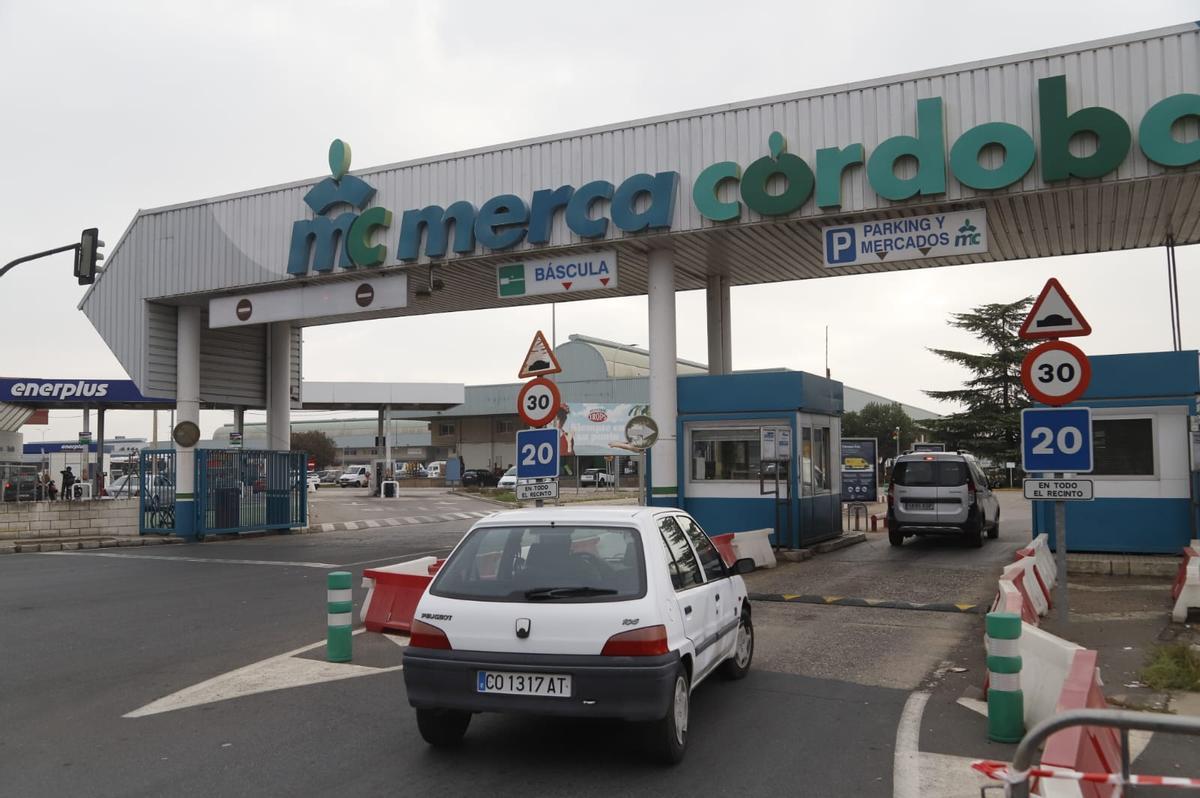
pixel 538 402
pixel 1056 373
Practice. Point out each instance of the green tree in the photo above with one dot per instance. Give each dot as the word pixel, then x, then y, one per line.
pixel 878 420
pixel 993 397
pixel 318 445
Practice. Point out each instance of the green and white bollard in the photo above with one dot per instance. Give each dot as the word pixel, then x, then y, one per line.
pixel 340 617
pixel 1006 702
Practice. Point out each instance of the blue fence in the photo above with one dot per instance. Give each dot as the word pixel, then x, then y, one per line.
pixel 235 491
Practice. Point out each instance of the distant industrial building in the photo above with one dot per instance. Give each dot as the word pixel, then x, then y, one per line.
pixel 483 428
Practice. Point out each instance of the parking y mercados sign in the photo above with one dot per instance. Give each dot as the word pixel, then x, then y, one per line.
pixel 776 184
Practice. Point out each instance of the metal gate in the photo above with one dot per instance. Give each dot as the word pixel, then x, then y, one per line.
pixel 235 491
pixel 156 491
pixel 243 491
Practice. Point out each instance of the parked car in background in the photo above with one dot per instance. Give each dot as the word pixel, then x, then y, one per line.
pixel 356 476
pixel 595 477
pixel 314 481
pixel 330 476
pixel 480 477
pixel 941 493
pixel 579 612
pixel 509 480
pixel 20 488
pixel 436 469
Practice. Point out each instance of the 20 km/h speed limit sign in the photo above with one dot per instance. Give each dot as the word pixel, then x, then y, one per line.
pixel 538 402
pixel 1056 373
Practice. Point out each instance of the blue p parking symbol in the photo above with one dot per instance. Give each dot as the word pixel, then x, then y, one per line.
pixel 839 245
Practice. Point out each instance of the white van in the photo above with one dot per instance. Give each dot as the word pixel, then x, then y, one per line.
pixel 437 469
pixel 357 475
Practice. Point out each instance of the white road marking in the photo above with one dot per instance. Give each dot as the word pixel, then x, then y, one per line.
pixel 328 527
pixel 462 515
pixel 372 524
pixel 217 560
pixel 973 704
pixel 350 526
pixel 398 557
pixel 906 774
pixel 274 673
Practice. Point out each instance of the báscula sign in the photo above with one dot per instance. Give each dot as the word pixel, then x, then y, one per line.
pixel 588 271
pixel 345 233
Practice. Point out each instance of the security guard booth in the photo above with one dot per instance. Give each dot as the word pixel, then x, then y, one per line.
pixel 722 476
pixel 1145 453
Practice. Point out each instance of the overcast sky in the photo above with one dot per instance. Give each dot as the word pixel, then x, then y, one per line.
pixel 111 107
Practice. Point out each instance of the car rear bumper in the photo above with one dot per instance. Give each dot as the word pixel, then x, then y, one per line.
pixel 631 688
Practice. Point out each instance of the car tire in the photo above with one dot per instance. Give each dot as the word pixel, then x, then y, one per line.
pixel 443 728
pixel 974 533
pixel 994 531
pixel 669 735
pixel 895 537
pixel 737 666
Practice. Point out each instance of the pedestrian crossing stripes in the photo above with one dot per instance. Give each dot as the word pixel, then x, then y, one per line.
pixel 373 523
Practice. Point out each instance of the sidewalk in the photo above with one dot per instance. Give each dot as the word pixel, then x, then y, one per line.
pixel 1122 618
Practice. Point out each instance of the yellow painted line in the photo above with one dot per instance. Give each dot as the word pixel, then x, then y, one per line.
pixel 875 602
pixel 790 596
pixel 966 607
pixel 832 599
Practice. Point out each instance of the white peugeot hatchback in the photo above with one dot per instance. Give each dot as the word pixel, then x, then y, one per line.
pixel 614 612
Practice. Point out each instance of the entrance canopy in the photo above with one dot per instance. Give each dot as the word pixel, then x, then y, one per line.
pixel 399 396
pixel 1085 148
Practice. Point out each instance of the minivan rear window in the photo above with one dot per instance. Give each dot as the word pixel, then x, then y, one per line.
pixel 930 473
pixel 545 564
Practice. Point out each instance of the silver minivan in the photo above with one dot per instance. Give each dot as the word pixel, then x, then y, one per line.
pixel 941 493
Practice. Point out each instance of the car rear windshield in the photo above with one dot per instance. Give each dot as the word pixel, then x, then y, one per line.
pixel 931 473
pixel 545 563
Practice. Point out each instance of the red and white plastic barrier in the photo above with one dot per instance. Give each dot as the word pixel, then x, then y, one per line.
pixel 755 544
pixel 393 592
pixel 1045 664
pixel 1086 749
pixel 724 544
pixel 1186 590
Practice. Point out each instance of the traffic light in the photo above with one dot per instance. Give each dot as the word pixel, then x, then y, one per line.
pixel 88 255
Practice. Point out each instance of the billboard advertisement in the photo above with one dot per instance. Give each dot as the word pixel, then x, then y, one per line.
pixel 860 481
pixel 596 429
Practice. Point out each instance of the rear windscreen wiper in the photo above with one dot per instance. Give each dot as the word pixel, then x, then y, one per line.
pixel 542 593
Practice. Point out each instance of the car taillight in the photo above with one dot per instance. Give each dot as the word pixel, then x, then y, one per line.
pixel 649 641
pixel 424 635
pixel 970 491
pixel 891 495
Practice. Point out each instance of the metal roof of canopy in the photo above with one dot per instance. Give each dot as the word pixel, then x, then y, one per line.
pixel 400 396
pixel 239 243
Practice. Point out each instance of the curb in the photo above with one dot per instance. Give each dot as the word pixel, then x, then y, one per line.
pixel 77 543
pixel 1123 564
pixel 842 541
pixel 883 604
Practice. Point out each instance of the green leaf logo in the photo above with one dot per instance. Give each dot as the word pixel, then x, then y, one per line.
pixel 339 159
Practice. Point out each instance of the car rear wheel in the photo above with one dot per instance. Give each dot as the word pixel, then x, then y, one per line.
pixel 895 537
pixel 994 531
pixel 737 666
pixel 974 533
pixel 442 728
pixel 669 735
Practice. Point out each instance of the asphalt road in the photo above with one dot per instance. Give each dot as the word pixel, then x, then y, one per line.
pixel 90 637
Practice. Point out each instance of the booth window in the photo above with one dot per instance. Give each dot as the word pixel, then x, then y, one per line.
pixel 445 429
pixel 815 459
pixel 1123 447
pixel 729 453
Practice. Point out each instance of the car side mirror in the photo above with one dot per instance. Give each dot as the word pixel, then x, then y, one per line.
pixel 744 566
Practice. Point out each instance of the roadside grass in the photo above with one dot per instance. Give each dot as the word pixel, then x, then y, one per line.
pixel 502 495
pixel 1173 667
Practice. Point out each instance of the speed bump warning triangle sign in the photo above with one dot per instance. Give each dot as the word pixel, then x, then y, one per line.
pixel 540 359
pixel 1053 315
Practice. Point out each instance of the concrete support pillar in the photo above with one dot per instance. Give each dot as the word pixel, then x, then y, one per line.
pixel 726 329
pixel 712 296
pixel 387 439
pixel 187 403
pixel 279 388
pixel 663 398
pixel 98 480
pixel 720 359
pixel 239 423
pixel 85 466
